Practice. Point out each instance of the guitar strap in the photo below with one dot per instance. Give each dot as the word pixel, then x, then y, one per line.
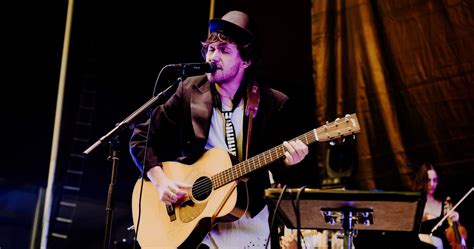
pixel 253 98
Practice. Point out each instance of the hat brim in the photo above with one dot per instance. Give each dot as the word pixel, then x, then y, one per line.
pixel 235 32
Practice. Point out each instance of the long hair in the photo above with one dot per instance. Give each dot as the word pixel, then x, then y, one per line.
pixel 421 178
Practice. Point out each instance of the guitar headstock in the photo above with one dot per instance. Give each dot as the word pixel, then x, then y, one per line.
pixel 341 127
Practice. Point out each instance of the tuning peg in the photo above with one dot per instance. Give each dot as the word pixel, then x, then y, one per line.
pixel 332 143
pixel 343 139
pixel 353 136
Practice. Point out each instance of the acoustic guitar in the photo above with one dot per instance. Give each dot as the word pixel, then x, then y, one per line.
pixel 214 196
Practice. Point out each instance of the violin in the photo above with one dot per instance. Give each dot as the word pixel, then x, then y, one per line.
pixel 456 233
pixel 459 234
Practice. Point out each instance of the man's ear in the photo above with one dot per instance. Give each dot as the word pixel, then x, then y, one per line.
pixel 247 63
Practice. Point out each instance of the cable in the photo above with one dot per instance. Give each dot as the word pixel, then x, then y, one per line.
pixel 274 214
pixel 157 79
pixel 142 169
pixel 141 189
pixel 299 236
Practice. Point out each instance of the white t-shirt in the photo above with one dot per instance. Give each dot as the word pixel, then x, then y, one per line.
pixel 245 232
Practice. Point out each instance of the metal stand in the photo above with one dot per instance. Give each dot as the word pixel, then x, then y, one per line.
pixel 109 209
pixel 353 210
pixel 348 217
pixel 113 138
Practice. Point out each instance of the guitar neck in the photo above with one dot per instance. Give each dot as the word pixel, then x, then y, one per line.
pixel 258 161
pixel 338 128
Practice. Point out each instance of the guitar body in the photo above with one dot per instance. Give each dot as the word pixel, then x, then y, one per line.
pixel 192 218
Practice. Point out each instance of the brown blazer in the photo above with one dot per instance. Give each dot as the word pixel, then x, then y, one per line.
pixel 180 127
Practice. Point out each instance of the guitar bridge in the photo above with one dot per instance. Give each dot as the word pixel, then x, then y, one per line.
pixel 171 212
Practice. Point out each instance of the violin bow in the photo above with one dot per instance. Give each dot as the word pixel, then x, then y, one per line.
pixel 451 211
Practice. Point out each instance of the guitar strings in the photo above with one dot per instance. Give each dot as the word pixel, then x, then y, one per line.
pixel 223 177
pixel 274 154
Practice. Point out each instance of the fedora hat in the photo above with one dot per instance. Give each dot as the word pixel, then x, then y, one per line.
pixel 236 25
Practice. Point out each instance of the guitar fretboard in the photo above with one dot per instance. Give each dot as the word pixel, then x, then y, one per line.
pixel 258 161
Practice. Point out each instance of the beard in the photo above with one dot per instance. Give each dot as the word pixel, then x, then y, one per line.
pixel 222 76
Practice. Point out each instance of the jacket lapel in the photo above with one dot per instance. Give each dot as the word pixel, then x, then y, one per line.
pixel 201 109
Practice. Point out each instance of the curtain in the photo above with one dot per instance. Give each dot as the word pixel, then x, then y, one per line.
pixel 406 68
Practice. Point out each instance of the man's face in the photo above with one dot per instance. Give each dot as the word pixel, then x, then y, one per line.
pixel 227 58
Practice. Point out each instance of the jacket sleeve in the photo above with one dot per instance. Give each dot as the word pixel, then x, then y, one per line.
pixel 162 143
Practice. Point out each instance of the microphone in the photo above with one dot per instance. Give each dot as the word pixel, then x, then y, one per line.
pixel 192 69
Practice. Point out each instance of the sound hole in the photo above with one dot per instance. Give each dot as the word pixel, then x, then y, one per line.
pixel 202 188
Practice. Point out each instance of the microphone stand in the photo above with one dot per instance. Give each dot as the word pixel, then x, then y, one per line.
pixel 112 138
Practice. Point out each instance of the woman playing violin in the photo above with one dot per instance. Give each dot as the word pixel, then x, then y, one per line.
pixel 435 208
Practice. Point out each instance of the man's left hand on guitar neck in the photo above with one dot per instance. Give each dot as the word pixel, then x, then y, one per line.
pixel 295 152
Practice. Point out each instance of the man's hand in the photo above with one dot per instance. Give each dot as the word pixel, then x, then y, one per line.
pixel 170 191
pixel 295 152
